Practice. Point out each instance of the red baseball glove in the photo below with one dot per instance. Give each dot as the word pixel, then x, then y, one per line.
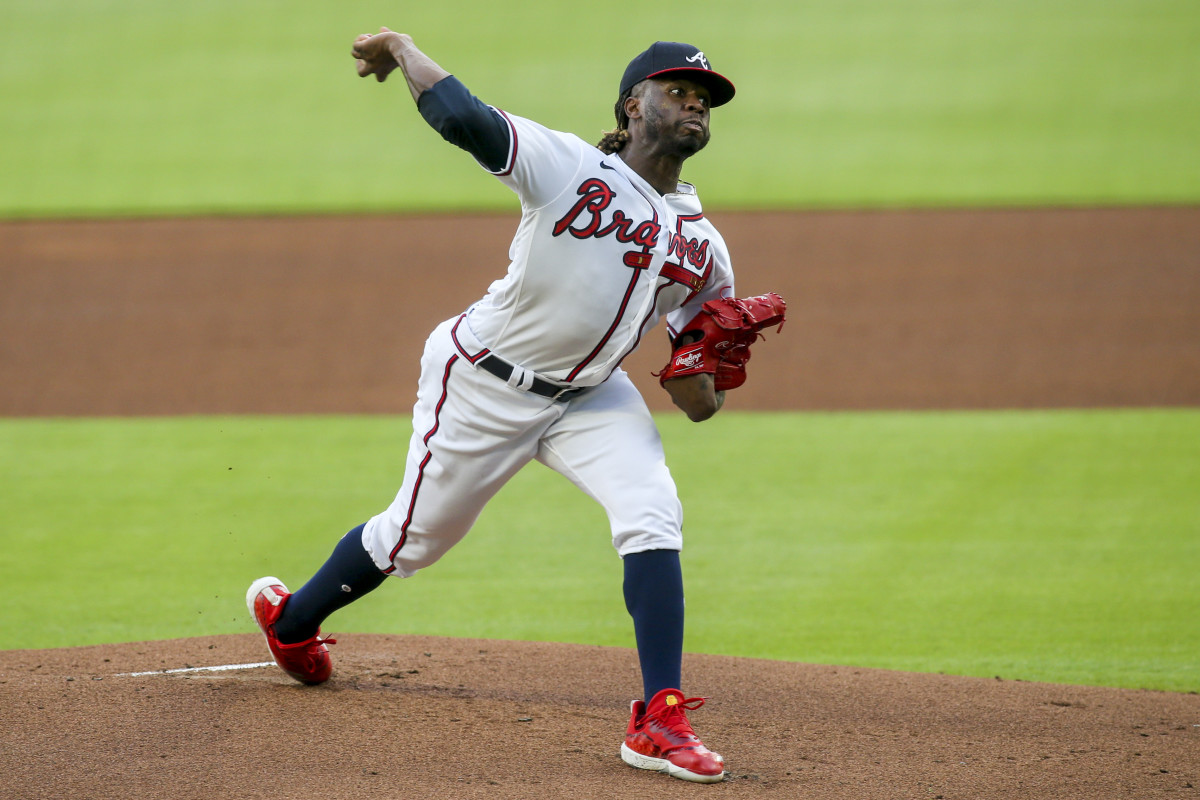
pixel 726 327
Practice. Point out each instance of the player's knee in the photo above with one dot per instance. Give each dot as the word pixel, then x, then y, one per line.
pixel 636 541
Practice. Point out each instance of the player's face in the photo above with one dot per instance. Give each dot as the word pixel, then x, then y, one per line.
pixel 675 114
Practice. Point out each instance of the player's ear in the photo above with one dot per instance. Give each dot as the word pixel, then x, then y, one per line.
pixel 633 107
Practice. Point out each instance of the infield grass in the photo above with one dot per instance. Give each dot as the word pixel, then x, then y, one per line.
pixel 144 107
pixel 1058 546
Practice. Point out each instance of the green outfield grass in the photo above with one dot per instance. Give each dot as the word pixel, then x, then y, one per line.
pixel 144 107
pixel 1058 546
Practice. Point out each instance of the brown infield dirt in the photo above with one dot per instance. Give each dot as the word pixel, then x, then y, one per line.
pixel 887 310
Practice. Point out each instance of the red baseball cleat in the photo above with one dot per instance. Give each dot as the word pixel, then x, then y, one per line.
pixel 660 738
pixel 307 661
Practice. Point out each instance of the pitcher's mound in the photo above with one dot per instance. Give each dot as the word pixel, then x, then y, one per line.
pixel 424 717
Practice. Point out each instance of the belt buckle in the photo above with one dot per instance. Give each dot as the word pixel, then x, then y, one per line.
pixel 567 393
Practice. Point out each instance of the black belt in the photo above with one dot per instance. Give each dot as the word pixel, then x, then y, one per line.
pixel 504 370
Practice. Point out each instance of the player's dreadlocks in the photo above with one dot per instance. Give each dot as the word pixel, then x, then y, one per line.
pixel 612 141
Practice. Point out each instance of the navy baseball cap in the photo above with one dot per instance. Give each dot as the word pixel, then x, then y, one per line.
pixel 675 58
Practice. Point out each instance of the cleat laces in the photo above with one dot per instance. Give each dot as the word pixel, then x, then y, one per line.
pixel 315 641
pixel 673 719
pixel 318 641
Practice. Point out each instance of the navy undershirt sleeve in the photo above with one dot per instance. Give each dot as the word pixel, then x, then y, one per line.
pixel 466 121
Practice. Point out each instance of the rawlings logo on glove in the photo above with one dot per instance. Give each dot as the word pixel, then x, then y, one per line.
pixel 726 327
pixel 687 360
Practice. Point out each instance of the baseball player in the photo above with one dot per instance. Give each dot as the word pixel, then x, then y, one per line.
pixel 609 242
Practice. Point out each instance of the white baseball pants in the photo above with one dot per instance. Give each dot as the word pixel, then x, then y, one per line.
pixel 472 432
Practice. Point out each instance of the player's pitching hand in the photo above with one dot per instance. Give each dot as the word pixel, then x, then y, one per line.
pixel 374 54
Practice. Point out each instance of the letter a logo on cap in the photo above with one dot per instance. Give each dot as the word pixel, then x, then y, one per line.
pixel 700 59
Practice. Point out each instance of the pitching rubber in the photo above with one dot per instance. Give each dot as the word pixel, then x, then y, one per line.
pixel 635 759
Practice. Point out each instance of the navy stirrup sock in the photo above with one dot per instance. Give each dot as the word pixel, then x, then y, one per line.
pixel 346 576
pixel 654 598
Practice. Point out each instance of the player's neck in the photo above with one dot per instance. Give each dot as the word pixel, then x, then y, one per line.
pixel 661 172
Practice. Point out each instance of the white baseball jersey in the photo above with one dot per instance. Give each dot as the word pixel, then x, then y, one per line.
pixel 599 257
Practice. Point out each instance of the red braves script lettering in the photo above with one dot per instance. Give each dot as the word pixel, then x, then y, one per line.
pixel 691 251
pixel 695 251
pixel 583 220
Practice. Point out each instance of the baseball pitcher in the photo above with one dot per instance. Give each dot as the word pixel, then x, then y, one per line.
pixel 609 243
